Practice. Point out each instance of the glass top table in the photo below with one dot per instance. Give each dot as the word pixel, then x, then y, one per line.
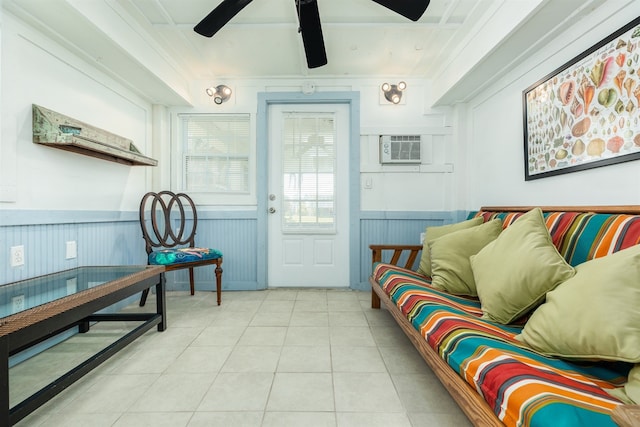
pixel 36 309
pixel 23 295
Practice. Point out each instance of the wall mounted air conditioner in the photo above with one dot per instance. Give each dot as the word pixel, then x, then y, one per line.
pixel 400 149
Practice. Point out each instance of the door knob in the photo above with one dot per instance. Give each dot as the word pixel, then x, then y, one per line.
pixel 272 210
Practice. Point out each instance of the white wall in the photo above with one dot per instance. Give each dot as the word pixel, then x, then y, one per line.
pixel 427 187
pixel 35 70
pixel 494 142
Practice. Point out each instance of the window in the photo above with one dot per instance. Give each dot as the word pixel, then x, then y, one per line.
pixel 215 153
pixel 309 167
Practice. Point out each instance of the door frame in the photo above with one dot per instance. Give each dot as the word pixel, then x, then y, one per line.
pixel 265 99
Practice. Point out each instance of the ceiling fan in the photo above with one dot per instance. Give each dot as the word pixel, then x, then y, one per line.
pixel 308 19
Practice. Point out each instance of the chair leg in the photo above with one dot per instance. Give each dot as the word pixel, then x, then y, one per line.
pixel 219 281
pixel 191 281
pixel 143 297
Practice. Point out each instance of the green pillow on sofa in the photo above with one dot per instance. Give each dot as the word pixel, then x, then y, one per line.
pixel 594 315
pixel 450 266
pixel 630 393
pixel 514 272
pixel 432 233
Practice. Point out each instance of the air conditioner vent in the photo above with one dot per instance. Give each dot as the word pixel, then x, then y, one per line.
pixel 400 149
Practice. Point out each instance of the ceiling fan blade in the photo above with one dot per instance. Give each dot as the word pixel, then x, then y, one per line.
pixel 412 9
pixel 219 16
pixel 311 30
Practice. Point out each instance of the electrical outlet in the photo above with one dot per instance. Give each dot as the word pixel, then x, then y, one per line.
pixel 17 303
pixel 72 250
pixel 17 256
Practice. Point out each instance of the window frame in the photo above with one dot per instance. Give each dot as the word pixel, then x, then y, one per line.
pixel 178 154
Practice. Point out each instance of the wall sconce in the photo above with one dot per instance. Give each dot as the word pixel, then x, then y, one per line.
pixel 220 93
pixel 393 93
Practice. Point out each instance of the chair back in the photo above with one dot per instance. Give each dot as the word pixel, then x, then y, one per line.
pixel 168 220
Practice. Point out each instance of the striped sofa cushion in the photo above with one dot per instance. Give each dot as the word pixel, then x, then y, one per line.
pixel 581 236
pixel 522 387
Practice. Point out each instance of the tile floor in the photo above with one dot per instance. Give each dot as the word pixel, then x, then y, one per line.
pixel 306 357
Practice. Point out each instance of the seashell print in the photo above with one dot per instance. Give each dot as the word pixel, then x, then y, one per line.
pixel 581 127
pixel 595 148
pixel 628 133
pixel 615 144
pixel 600 71
pixel 621 44
pixel 561 154
pixel 563 118
pixel 621 122
pixel 578 148
pixel 636 140
pixel 612 117
pixel 619 79
pixel 619 106
pixel 628 85
pixel 636 93
pixel 620 59
pixel 631 47
pixel 630 107
pixel 607 97
pixel 566 92
pixel 576 108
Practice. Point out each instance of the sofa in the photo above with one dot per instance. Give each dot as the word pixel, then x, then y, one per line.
pixel 567 353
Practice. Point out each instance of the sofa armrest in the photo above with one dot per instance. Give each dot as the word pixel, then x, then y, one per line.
pixel 398 250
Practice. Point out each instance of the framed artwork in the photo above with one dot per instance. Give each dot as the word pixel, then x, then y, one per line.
pixel 586 114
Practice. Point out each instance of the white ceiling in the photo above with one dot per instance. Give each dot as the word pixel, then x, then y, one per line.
pixel 150 45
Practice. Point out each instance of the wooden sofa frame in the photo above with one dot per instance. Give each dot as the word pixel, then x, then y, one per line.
pixel 467 398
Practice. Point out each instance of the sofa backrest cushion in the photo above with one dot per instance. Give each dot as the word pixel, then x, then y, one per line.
pixel 581 236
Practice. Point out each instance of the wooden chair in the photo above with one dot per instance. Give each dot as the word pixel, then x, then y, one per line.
pixel 169 222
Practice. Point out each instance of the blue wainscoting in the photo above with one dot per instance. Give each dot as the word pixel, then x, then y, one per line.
pixel 114 238
pixel 392 227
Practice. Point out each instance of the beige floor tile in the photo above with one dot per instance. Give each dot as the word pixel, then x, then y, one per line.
pixel 252 358
pixel 359 419
pixel 112 393
pixel 351 336
pixel 271 319
pixel 423 393
pixel 263 335
pixel 78 420
pixel 422 419
pixel 219 335
pixel 305 359
pixel 226 419
pixel 307 335
pixel 238 392
pixel 306 318
pixel 301 392
pixel 356 359
pixel 276 306
pixel 174 393
pixel 365 392
pixel 203 360
pixel 347 318
pixel 313 305
pixel 154 419
pixel 297 419
pixel 402 360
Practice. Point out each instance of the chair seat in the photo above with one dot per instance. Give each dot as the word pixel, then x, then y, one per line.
pixel 183 255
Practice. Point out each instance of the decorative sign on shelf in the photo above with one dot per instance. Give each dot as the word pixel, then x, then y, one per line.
pixel 586 113
pixel 59 131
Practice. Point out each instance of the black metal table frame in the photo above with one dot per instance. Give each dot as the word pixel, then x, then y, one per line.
pixel 81 316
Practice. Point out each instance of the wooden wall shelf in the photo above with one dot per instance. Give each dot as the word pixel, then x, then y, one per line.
pixel 59 131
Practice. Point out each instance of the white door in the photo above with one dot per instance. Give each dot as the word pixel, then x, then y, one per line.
pixel 308 200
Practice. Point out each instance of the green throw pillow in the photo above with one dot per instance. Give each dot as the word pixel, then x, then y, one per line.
pixel 514 272
pixel 630 393
pixel 432 233
pixel 450 266
pixel 594 315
